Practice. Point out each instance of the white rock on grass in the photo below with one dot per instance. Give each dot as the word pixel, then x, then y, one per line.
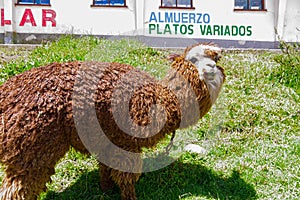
pixel 193 148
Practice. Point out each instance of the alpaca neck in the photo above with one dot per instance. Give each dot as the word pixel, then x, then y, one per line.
pixel 195 95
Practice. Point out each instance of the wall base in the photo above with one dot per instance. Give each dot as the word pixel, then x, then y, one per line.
pixel 32 38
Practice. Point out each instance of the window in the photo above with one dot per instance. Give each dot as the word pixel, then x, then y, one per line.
pixel 249 5
pixel 115 3
pixel 34 2
pixel 176 4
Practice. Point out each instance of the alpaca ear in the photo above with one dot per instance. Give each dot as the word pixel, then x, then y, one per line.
pixel 213 54
pixel 173 56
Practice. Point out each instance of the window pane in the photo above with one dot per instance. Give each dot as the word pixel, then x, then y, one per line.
pixel 110 2
pixel 256 4
pixel 34 2
pixel 46 1
pixel 101 2
pixel 184 3
pixel 169 3
pixel 241 4
pixel 119 2
pixel 43 1
pixel 26 1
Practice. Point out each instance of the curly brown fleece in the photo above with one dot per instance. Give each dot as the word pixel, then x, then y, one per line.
pixel 37 126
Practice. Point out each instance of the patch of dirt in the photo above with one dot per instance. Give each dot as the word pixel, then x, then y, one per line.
pixel 9 53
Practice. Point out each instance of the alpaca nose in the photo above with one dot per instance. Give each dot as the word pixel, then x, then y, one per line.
pixel 211 65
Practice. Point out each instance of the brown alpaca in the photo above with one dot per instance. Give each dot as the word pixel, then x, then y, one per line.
pixel 37 110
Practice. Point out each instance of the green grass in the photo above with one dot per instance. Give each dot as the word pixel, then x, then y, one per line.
pixel 288 72
pixel 9 55
pixel 87 48
pixel 252 134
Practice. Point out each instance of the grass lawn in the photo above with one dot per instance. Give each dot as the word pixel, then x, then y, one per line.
pixel 251 135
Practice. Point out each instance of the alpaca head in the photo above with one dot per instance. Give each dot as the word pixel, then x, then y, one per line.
pixel 205 58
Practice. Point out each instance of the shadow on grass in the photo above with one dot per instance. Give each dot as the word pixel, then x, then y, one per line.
pixel 177 181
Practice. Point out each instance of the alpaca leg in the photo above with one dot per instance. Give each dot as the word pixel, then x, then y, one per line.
pixel 27 173
pixel 26 182
pixel 106 181
pixel 126 182
pixel 126 172
pixel 24 186
pixel 13 190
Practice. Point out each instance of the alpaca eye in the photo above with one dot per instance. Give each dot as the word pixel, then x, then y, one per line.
pixel 193 60
pixel 217 57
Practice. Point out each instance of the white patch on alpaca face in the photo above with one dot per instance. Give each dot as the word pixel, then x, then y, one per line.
pixel 208 72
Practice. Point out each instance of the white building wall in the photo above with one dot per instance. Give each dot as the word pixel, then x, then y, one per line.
pixel 259 25
pixel 213 20
pixel 7 19
pixel 78 17
pixel 291 26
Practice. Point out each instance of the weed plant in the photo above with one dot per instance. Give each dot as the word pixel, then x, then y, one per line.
pixel 288 72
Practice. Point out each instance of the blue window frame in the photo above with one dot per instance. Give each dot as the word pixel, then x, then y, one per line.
pixel 249 5
pixel 34 2
pixel 112 3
